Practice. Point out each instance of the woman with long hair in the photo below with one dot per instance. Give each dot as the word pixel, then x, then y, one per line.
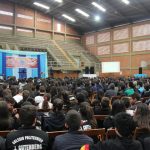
pixel 117 107
pixel 6 122
pixel 46 104
pixel 87 114
pixel 56 118
pixel 142 119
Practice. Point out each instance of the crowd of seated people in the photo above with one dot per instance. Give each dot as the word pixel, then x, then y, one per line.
pixel 33 107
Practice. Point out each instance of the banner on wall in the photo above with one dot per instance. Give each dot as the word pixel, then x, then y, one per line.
pixel 21 62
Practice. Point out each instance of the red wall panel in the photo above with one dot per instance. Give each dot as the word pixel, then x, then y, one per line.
pixel 124 61
pixel 137 59
pixel 4 19
pixel 43 22
pixel 27 12
pixel 71 30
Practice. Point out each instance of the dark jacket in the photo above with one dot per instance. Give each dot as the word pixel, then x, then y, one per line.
pixel 110 93
pixel 71 141
pixel 55 122
pixel 147 143
pixel 2 143
pixel 142 136
pixel 118 144
pixel 109 122
pixel 25 138
pixel 146 94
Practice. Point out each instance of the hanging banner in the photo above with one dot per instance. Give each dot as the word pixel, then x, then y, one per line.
pixel 21 62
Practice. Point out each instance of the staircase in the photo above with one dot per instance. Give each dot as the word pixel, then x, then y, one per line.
pixel 75 49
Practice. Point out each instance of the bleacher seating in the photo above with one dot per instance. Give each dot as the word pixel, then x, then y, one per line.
pixel 76 49
pixel 39 43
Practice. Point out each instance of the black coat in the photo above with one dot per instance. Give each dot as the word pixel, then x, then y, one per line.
pixel 118 144
pixel 55 122
pixel 25 138
pixel 147 143
pixel 2 143
pixel 109 122
pixel 71 141
pixel 142 136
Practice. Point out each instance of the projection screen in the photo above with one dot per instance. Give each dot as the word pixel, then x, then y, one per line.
pixel 110 67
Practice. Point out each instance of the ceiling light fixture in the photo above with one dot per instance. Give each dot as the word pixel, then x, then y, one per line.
pixel 97 18
pixel 98 6
pixel 6 27
pixel 59 1
pixel 41 5
pixel 6 13
pixel 82 12
pixel 68 17
pixel 24 30
pixel 24 16
pixel 127 2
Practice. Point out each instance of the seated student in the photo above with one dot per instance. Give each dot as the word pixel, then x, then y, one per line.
pixel 124 125
pixel 147 90
pixel 6 120
pixel 27 137
pixel 141 88
pixel 96 107
pixel 56 118
pixel 130 89
pixel 87 115
pixel 105 108
pixel 135 100
pixel 117 107
pixel 25 95
pixel 46 104
pixel 18 97
pixel 142 119
pixel 72 140
pixel 127 104
pixel 12 111
pixel 147 143
pixel 38 99
pixel 111 91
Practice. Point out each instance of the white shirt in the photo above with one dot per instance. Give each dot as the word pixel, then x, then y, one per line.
pixel 18 98
pixel 38 99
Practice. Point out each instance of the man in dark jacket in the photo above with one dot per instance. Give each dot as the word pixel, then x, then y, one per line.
pixel 124 127
pixel 27 137
pixel 73 140
pixel 147 143
pixel 56 119
pixel 111 91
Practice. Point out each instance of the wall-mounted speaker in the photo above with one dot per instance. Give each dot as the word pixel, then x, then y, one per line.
pixel 92 70
pixel 87 70
pixel 140 70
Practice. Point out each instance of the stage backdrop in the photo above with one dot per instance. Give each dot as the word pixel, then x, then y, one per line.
pixel 23 64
